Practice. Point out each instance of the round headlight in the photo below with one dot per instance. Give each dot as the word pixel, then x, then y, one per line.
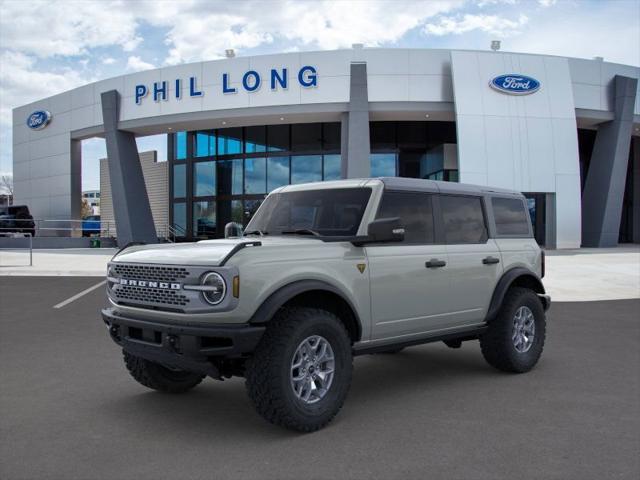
pixel 216 288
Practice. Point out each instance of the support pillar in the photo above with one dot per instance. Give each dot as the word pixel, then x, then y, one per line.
pixel 356 161
pixel 131 209
pixel 604 188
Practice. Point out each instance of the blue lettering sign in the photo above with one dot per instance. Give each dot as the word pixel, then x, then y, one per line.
pixel 157 89
pixel 192 88
pixel 251 86
pixel 141 92
pixel 308 77
pixel 38 119
pixel 275 77
pixel 225 84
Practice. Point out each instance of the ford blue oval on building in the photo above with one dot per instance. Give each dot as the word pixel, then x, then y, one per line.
pixel 38 119
pixel 515 84
pixel 564 131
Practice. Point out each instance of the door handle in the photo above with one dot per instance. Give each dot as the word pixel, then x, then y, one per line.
pixel 435 263
pixel 490 260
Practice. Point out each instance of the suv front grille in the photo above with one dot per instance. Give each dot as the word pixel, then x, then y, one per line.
pixel 131 294
pixel 151 272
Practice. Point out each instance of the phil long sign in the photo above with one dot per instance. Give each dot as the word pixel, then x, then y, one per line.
pixel 515 84
pixel 251 81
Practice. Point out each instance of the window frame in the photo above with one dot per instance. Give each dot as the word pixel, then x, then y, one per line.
pixel 489 228
pixel 494 225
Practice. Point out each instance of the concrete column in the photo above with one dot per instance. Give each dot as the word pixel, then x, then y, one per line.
pixel 131 208
pixel 357 163
pixel 636 190
pixel 604 188
pixel 344 144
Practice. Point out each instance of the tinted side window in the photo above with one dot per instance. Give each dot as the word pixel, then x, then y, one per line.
pixel 511 218
pixel 415 212
pixel 463 219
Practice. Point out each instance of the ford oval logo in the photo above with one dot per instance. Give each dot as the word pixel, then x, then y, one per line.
pixel 515 84
pixel 38 120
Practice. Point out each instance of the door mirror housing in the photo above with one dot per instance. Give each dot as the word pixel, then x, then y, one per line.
pixel 383 230
pixel 233 230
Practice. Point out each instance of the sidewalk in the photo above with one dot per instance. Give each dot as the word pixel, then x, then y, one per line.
pixel 572 275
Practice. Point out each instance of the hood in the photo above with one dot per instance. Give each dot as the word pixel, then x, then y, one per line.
pixel 205 252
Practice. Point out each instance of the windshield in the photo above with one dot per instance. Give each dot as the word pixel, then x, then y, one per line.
pixel 327 212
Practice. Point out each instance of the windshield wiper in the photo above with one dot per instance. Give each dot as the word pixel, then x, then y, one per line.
pixel 256 232
pixel 301 231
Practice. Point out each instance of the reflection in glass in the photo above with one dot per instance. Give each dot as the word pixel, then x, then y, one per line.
pixel 204 218
pixel 250 208
pixel 332 167
pixel 180 145
pixel 179 181
pixel 255 175
pixel 306 168
pixel 180 218
pixel 331 136
pixel 205 144
pixel 230 177
pixel 383 164
pixel 204 179
pixel 306 137
pixel 277 172
pixel 237 213
pixel 255 140
pixel 229 141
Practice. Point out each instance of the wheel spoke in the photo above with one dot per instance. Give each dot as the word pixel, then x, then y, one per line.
pixel 312 369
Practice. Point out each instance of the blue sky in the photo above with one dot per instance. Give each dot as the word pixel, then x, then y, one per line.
pixel 47 47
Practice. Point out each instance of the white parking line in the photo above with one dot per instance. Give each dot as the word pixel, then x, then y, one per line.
pixel 78 295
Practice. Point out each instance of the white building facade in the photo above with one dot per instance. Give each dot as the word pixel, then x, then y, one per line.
pixel 564 131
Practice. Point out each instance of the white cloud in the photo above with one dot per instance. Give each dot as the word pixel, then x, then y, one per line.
pixel 547 3
pixel 108 61
pixel 135 64
pixel 491 24
pixel 66 28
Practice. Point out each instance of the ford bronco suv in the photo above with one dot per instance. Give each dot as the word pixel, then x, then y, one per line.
pixel 326 271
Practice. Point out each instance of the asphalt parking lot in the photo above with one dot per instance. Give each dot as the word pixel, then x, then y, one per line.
pixel 69 410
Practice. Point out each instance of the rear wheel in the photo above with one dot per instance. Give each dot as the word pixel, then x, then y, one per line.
pixel 300 372
pixel 158 377
pixel 514 339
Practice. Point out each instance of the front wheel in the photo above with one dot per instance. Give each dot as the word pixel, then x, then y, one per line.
pixel 514 339
pixel 300 372
pixel 158 377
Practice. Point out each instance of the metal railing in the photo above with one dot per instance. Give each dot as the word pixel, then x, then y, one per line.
pixel 54 228
pixel 172 232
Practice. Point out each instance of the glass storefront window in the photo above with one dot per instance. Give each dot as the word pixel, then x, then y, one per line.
pixel 237 212
pixel 306 137
pixel 250 208
pixel 332 167
pixel 230 141
pixel 306 168
pixel 204 218
pixel 277 172
pixel 204 179
pixel 278 138
pixel 331 136
pixel 180 145
pixel 179 181
pixel 255 140
pixel 180 218
pixel 230 177
pixel 383 164
pixel 255 175
pixel 205 144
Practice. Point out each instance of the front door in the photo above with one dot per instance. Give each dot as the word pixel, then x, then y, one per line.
pixel 409 280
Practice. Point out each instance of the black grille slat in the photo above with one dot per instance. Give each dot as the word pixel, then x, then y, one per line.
pixel 151 272
pixel 150 295
pixel 134 294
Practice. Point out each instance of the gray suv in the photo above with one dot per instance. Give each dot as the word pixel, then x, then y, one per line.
pixel 324 272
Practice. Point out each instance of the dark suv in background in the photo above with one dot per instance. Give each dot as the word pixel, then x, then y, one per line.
pixel 16 218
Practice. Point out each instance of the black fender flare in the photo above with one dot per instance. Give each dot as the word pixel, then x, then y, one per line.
pixel 506 281
pixel 277 299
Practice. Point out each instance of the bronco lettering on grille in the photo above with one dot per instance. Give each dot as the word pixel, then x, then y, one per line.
pixel 150 284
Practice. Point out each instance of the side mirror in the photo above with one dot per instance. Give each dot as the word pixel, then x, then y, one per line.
pixel 385 230
pixel 233 230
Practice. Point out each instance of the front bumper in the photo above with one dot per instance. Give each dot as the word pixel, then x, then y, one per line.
pixel 192 348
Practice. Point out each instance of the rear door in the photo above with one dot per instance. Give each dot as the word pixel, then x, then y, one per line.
pixel 475 264
pixel 409 280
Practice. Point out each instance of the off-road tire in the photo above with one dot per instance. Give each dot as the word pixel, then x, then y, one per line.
pixel 155 376
pixel 268 380
pixel 496 343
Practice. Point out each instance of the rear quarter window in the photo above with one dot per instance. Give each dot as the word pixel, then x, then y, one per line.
pixel 510 216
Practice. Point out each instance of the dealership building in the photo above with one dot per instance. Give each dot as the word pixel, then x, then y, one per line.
pixel 564 131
